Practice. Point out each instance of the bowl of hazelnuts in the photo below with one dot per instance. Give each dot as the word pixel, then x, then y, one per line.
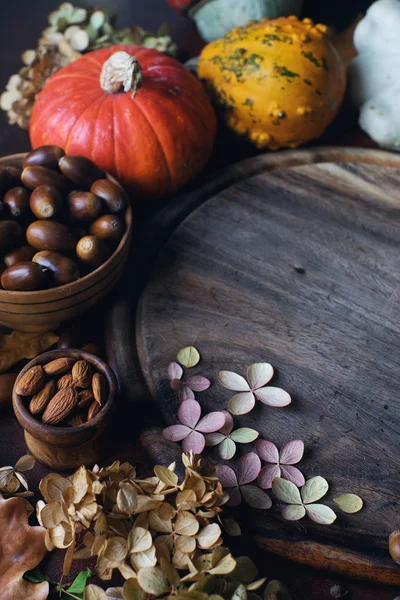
pixel 65 231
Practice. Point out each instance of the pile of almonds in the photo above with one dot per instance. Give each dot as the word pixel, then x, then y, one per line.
pixel 59 219
pixel 63 392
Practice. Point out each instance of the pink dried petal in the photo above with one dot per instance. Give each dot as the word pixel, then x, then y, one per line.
pixel 248 468
pixel 267 451
pixel 197 383
pixel 189 413
pixel 267 475
pixel 235 497
pixel 255 497
pixel 292 452
pixel 233 381
pixel 227 476
pixel 177 385
pixel 174 371
pixel 213 439
pixel 211 422
pixel 241 404
pixel 229 423
pixel 176 433
pixel 259 374
pixel 186 393
pixel 194 442
pixel 292 474
pixel 273 396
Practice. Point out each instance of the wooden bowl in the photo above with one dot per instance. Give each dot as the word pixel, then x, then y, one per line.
pixel 65 448
pixel 44 310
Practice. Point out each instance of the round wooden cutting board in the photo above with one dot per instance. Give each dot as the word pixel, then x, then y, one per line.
pixel 299 267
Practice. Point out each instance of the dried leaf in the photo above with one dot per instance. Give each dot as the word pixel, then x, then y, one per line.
pixel 153 581
pixel 25 463
pixel 349 503
pixel 255 497
pixel 93 592
pixel 320 513
pixel 233 381
pixel 188 356
pixel 248 468
pixel 314 489
pixel 286 491
pixel 23 548
pixel 19 345
pixel 259 374
pixel 166 476
pixel 244 435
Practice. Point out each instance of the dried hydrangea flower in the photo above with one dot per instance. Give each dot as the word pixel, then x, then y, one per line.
pixel 300 504
pixel 186 389
pixel 227 438
pixel 236 483
pixel 280 463
pixel 255 388
pixel 192 428
pixel 11 478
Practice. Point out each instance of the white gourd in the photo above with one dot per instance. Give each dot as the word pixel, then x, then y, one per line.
pixel 374 73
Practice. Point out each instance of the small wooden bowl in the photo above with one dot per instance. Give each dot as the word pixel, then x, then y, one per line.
pixel 65 448
pixel 45 310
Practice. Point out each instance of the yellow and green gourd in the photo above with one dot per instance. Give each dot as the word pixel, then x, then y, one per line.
pixel 278 82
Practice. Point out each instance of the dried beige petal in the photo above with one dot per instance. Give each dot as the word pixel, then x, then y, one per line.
pixel 153 581
pixel 166 476
pixel 186 524
pixel 93 592
pixel 188 356
pixel 209 536
pixel 116 550
pixel 139 540
pixel 185 544
pixel 349 503
pixel 158 524
pixel 314 489
pixel 52 514
pixel 133 591
pixel 80 482
pixel 126 570
pixel 144 559
pixel 127 498
pixel 240 593
pixel 170 572
pixel 25 463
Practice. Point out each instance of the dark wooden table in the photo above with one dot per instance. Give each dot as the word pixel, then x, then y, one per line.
pixel 21 22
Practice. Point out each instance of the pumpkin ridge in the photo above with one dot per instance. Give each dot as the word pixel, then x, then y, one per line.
pixel 172 187
pixel 113 140
pixel 89 107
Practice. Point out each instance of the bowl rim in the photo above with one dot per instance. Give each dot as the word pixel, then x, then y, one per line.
pixel 52 434
pixel 73 286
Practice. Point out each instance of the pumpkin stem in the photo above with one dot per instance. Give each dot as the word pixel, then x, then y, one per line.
pixel 121 72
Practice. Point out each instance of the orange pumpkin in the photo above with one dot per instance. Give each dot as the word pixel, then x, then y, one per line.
pixel 278 82
pixel 135 112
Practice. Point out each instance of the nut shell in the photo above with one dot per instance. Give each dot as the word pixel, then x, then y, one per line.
pixel 63 269
pixel 84 206
pixel 24 277
pixel 59 366
pixel 112 194
pixel 108 227
pixel 94 410
pixel 60 406
pixel 40 400
pixel 80 170
pixel 17 200
pixel 45 202
pixel 82 374
pixel 99 388
pixel 49 235
pixel 34 176
pixel 22 254
pixel 65 381
pixel 31 382
pixel 92 251
pixel 44 156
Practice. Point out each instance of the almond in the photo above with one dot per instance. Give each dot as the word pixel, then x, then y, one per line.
pixel 60 406
pixel 77 420
pixel 31 382
pixel 42 398
pixel 82 374
pixel 99 387
pixel 65 381
pixel 94 410
pixel 86 398
pixel 59 366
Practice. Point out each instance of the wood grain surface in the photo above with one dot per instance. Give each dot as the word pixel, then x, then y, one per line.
pixel 300 268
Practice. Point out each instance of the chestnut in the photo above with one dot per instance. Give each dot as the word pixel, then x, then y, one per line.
pixel 64 269
pixel 112 194
pixel 44 156
pixel 22 254
pixel 84 206
pixel 49 235
pixel 394 546
pixel 36 175
pixel 108 227
pixel 91 251
pixel 24 277
pixel 80 170
pixel 46 201
pixel 10 235
pixel 17 200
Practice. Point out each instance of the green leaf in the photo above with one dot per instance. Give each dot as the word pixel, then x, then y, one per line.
pixel 77 587
pixel 349 503
pixel 244 435
pixel 314 489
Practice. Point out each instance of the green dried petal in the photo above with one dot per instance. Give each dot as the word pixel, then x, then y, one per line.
pixel 349 503
pixel 188 356
pixel 97 19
